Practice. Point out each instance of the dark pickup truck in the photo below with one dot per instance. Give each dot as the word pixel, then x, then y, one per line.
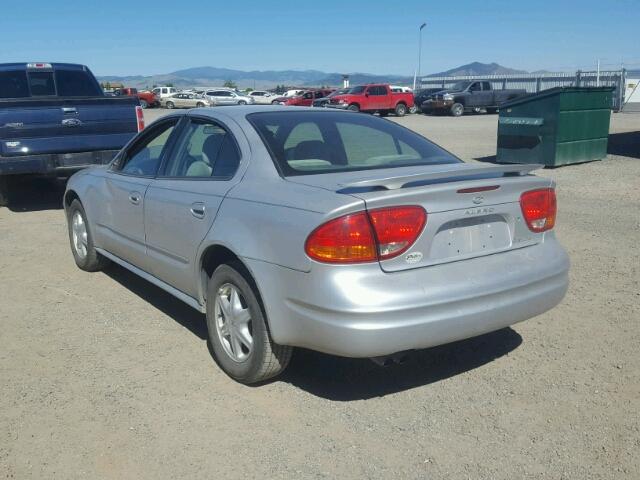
pixel 469 96
pixel 55 119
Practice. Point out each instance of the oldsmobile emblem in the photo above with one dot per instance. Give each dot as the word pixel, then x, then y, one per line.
pixel 478 199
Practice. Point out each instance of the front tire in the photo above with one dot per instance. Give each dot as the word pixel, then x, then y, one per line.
pixel 82 247
pixel 353 107
pixel 199 105
pixel 170 105
pixel 144 104
pixel 242 102
pixel 238 330
pixel 457 109
pixel 401 110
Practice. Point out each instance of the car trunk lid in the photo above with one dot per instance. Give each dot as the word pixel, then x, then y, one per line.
pixel 472 210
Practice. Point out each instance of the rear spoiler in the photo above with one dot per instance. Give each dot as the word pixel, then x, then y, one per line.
pixel 480 171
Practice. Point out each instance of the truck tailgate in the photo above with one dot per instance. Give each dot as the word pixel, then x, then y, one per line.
pixel 35 126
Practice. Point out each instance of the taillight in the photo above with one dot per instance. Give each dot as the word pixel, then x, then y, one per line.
pixel 347 239
pixel 382 234
pixel 397 228
pixel 140 118
pixel 539 209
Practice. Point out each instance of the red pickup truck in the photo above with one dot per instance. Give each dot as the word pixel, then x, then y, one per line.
pixel 373 98
pixel 146 98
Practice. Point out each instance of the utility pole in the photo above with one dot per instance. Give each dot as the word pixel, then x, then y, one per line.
pixel 417 71
pixel 598 75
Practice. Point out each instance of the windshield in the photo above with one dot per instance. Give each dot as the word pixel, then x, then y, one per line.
pixel 307 143
pixel 459 86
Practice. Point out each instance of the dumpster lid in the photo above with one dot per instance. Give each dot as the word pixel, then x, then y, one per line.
pixel 551 92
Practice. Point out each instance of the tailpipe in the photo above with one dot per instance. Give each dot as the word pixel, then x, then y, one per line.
pixel 396 358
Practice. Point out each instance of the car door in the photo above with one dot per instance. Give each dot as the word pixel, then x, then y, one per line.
pixel 120 225
pixel 225 97
pixel 377 96
pixel 182 202
pixel 475 95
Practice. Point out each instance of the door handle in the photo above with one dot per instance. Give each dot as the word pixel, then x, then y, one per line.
pixel 198 210
pixel 134 197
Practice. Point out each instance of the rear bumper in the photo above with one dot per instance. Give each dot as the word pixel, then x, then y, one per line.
pixel 54 163
pixel 363 312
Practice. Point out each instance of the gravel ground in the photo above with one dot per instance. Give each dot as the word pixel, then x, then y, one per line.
pixel 105 376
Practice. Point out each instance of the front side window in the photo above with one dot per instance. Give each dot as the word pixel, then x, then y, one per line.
pixel 77 83
pixel 304 143
pixel 143 157
pixel 475 87
pixel 486 86
pixel 205 149
pixel 13 84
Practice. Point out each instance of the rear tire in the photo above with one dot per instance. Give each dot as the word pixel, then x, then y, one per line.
pixel 353 107
pixel 457 109
pixel 242 102
pixel 383 113
pixel 401 110
pixel 238 331
pixel 170 105
pixel 81 240
pixel 144 104
pixel 4 192
pixel 199 105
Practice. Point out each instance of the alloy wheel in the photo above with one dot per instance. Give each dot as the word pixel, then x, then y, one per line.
pixel 233 323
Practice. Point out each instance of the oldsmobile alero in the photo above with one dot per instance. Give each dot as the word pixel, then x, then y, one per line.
pixel 330 230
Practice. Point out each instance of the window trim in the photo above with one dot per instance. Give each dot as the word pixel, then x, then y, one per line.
pixel 116 168
pixel 187 121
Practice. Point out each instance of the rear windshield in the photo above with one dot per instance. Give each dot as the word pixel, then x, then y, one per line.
pixel 63 83
pixel 306 143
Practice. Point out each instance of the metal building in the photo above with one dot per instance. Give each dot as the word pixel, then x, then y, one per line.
pixel 536 82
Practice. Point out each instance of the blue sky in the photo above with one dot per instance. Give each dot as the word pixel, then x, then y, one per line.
pixel 132 37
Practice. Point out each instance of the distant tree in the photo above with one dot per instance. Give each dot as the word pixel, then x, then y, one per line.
pixel 107 86
pixel 169 84
pixel 248 90
pixel 229 84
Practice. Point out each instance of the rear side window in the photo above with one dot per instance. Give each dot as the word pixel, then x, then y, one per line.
pixel 205 149
pixel 41 84
pixel 13 84
pixel 76 83
pixel 305 143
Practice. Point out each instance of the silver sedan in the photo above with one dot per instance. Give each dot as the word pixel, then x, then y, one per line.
pixel 186 100
pixel 329 230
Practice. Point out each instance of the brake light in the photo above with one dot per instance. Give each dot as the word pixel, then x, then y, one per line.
pixel 539 209
pixel 347 239
pixel 382 233
pixel 140 118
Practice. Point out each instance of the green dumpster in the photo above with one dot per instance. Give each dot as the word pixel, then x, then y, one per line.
pixel 558 126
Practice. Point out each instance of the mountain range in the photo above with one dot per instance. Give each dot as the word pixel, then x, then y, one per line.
pixel 214 76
